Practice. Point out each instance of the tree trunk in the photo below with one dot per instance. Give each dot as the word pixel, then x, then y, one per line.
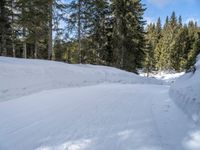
pixel 24 37
pixel 79 32
pixel 13 32
pixel 3 33
pixel 24 50
pixel 51 54
pixel 13 49
pixel 4 48
pixel 68 55
pixel 122 53
pixel 24 44
pixel 35 50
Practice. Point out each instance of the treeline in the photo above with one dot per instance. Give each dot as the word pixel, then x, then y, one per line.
pixel 172 46
pixel 26 27
pixel 105 32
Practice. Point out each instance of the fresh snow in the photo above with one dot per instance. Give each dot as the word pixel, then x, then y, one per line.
pixel 47 105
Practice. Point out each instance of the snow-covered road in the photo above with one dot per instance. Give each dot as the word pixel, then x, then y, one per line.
pixel 99 117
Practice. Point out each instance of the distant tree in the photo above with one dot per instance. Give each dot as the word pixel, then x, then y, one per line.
pixel 151 42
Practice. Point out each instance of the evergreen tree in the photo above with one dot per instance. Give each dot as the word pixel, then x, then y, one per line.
pixel 99 30
pixel 162 51
pixel 158 28
pixel 152 38
pixel 151 42
pixel 194 51
pixel 128 33
pixel 76 20
pixel 5 27
pixel 107 32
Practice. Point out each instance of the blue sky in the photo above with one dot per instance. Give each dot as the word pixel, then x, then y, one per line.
pixel 188 9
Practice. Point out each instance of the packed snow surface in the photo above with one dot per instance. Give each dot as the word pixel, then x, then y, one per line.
pixel 100 117
pixel 117 110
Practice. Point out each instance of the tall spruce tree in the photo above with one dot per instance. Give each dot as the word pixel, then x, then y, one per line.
pixel 151 42
pixel 128 33
pixel 5 27
pixel 194 36
pixel 76 21
pixel 152 37
pixel 162 51
pixel 98 28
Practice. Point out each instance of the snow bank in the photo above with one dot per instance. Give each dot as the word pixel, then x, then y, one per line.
pixel 19 77
pixel 186 92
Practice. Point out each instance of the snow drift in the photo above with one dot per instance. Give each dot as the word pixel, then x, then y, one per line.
pixel 186 92
pixel 19 77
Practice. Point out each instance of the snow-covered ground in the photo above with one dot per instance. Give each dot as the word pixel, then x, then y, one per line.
pixel 51 108
pixel 19 77
pixel 186 92
pixel 99 117
pixel 166 76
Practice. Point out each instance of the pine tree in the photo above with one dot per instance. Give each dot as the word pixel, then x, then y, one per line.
pixel 195 49
pixel 76 21
pixel 96 30
pixel 151 42
pixel 177 45
pixel 167 51
pixel 128 33
pixel 148 61
pixel 14 27
pixel 99 30
pixel 5 27
pixel 158 28
pixel 162 51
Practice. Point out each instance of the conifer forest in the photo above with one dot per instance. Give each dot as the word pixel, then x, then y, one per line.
pixel 103 32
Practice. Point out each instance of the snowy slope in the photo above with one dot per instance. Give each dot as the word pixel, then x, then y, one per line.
pixel 20 77
pixel 186 92
pixel 53 108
